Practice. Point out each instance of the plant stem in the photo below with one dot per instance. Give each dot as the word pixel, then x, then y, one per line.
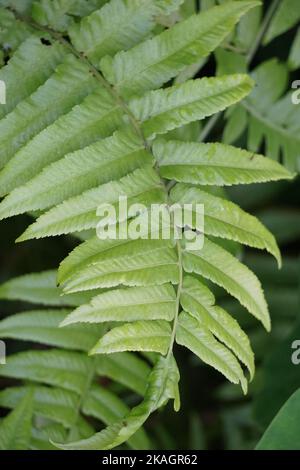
pixel 209 126
pixel 178 294
pixel 262 31
pixel 250 56
pixel 97 74
pixel 82 397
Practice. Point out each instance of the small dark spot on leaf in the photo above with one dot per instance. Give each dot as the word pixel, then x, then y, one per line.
pixel 45 41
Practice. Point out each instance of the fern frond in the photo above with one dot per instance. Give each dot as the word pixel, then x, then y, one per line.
pixel 226 220
pixel 286 16
pixel 15 429
pixel 138 303
pixel 136 336
pixel 40 288
pixel 98 163
pixel 198 300
pixel 42 326
pixel 195 336
pixel 135 263
pixel 95 118
pixel 164 110
pixel 13 32
pixel 58 379
pixel 154 62
pixel 59 14
pixel 119 25
pixel 58 95
pixel 33 63
pixel 58 368
pixel 163 386
pixel 214 164
pixel 294 56
pixel 55 404
pixel 143 186
pixel 222 268
pixel 81 132
pixel 270 115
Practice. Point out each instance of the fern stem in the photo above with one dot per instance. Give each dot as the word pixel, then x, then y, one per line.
pixel 82 397
pixel 96 73
pixel 209 126
pixel 178 294
pixel 262 31
pixel 250 56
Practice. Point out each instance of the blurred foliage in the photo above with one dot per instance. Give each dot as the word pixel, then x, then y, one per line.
pixel 215 414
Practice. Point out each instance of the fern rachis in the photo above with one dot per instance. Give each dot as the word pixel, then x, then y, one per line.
pixel 150 288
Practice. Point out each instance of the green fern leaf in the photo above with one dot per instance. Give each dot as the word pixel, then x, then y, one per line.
pixel 40 288
pixel 286 16
pixel 164 110
pixel 271 116
pixel 124 368
pixel 195 336
pixel 68 370
pixel 136 336
pixel 131 263
pixel 34 62
pixel 101 162
pixel 13 32
pixel 140 303
pixel 214 164
pixel 163 385
pixel 154 62
pixel 96 117
pixel 15 429
pixel 42 326
pixel 226 220
pixel 119 25
pixel 199 301
pixel 143 186
pixel 218 265
pixel 79 132
pixel 52 403
pixel 294 56
pixel 57 95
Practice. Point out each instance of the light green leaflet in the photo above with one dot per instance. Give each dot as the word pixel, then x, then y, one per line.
pixel 218 265
pixel 226 220
pixel 80 131
pixel 15 429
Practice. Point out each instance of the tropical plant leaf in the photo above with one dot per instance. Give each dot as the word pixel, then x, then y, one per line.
pixel 197 300
pixel 90 87
pixel 156 61
pixel 226 220
pixel 286 16
pixel 15 429
pixel 137 303
pixel 194 336
pixel 136 336
pixel 282 432
pixel 214 164
pixel 218 265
